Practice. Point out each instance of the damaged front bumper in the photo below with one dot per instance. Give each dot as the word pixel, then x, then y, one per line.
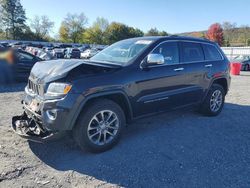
pixel 44 120
pixel 29 129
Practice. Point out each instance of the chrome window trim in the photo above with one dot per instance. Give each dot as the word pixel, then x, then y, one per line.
pixel 188 62
pixel 216 47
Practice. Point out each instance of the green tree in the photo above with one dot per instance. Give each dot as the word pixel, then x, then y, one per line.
pixel 152 32
pixel 41 27
pixel 156 32
pixel 118 31
pixel 248 42
pixel 96 33
pixel 72 27
pixel 101 23
pixel 245 31
pixel 12 18
pixel 2 34
pixel 135 32
pixel 229 31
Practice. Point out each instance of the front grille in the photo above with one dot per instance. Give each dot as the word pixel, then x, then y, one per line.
pixel 35 88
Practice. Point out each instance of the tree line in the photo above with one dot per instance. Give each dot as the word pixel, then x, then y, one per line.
pixel 73 29
pixel 225 34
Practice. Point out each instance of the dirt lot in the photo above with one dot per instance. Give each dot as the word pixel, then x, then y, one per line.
pixel 177 149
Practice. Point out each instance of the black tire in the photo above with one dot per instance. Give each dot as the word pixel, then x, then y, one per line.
pixel 206 108
pixel 81 131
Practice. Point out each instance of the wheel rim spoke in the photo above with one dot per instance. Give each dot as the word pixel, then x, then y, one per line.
pixel 107 132
pixel 103 127
pixel 105 137
pixel 110 114
pixel 96 133
pixel 102 115
pixel 112 121
pixel 216 101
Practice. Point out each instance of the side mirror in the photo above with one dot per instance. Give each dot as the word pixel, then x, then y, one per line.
pixel 155 59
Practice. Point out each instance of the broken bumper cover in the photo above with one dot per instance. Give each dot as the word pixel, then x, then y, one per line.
pixel 27 128
pixel 44 120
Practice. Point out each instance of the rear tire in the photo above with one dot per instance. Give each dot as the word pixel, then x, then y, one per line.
pixel 214 101
pixel 100 126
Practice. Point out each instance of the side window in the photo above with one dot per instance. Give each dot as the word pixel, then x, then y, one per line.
pixel 191 52
pixel 24 57
pixel 211 52
pixel 170 52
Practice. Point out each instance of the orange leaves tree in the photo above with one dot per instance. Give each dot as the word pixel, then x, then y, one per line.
pixel 215 33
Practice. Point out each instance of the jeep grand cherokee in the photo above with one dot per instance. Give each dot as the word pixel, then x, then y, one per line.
pixel 130 79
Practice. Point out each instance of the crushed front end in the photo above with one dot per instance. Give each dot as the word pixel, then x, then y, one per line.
pixel 52 98
pixel 28 128
pixel 48 103
pixel 40 119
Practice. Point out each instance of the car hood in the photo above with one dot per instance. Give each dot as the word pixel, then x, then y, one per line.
pixel 47 71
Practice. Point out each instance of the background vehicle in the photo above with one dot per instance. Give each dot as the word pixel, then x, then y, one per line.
pixel 2 48
pixel 16 65
pixel 58 52
pixel 73 53
pixel 244 60
pixel 48 49
pixel 83 48
pixel 129 79
pixel 89 53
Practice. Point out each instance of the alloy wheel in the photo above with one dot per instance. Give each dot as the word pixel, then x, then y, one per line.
pixel 216 101
pixel 103 127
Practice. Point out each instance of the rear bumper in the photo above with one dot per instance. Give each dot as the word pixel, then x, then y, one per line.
pixel 27 128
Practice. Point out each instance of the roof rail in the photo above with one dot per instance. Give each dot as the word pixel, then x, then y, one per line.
pixel 173 35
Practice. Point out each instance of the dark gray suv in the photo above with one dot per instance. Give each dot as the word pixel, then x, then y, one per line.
pixel 130 79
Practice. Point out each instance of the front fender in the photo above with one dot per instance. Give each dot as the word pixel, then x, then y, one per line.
pixel 85 98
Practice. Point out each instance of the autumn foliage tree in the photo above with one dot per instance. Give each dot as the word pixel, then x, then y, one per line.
pixel 215 33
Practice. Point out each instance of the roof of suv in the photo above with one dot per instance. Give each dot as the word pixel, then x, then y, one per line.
pixel 176 37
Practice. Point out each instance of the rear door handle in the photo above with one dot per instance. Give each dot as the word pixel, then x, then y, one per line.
pixel 208 65
pixel 179 69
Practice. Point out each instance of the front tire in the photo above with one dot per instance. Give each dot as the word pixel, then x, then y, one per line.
pixel 214 101
pixel 100 126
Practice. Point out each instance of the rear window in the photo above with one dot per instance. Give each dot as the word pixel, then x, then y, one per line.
pixel 211 52
pixel 191 52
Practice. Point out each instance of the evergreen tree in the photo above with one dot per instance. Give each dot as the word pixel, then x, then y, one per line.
pixel 12 18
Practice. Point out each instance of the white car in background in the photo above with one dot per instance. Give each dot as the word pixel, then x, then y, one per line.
pixel 58 52
pixel 89 53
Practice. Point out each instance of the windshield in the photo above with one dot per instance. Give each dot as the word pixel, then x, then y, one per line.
pixel 122 52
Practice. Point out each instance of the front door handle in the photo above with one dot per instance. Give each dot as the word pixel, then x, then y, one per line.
pixel 208 65
pixel 179 69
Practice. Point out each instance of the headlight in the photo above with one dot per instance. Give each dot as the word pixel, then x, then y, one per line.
pixel 58 89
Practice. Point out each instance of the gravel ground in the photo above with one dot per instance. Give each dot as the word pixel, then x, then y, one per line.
pixel 177 149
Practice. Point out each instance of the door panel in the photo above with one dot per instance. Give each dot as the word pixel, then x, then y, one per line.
pixel 160 87
pixel 193 60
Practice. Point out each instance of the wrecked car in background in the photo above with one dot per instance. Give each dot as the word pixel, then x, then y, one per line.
pixel 15 65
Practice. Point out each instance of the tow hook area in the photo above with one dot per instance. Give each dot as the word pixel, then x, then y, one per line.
pixel 27 128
